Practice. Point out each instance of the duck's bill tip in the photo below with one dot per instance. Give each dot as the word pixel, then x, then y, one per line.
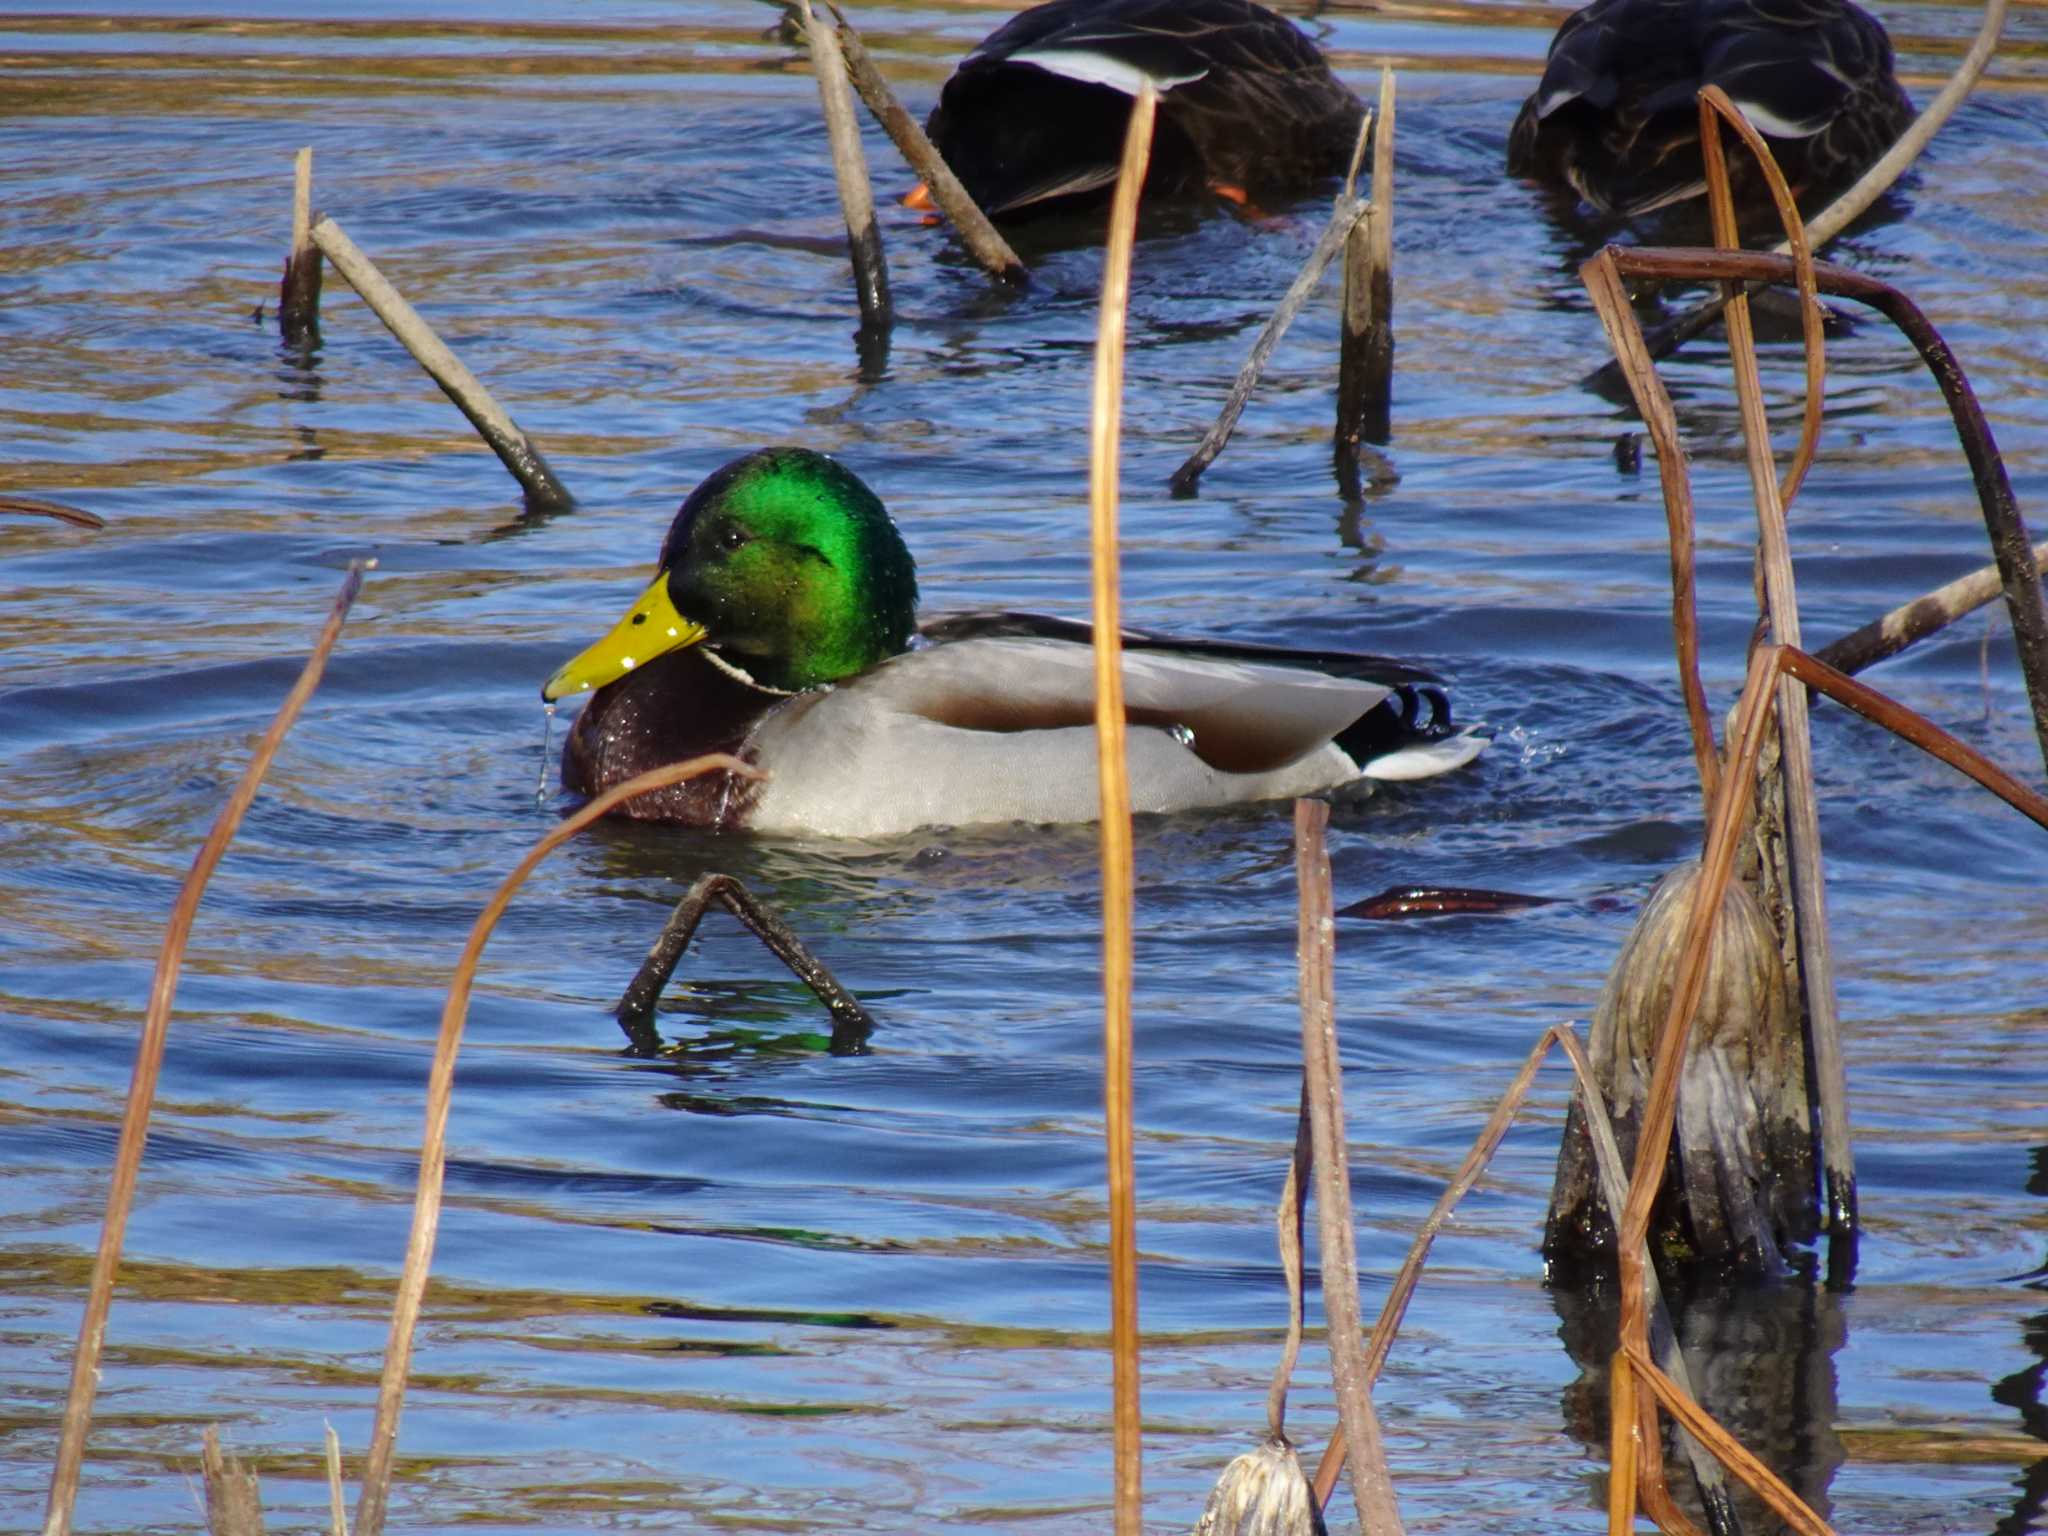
pixel 652 627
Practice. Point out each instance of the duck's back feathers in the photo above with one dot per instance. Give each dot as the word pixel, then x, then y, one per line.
pixel 1036 113
pixel 1001 729
pixel 1615 116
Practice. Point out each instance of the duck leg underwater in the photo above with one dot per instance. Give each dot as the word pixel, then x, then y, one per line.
pixel 851 1023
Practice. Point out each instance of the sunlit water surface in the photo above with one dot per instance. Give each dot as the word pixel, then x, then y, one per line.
pixel 753 1283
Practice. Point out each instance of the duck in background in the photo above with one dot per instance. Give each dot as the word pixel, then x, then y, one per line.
pixel 781 627
pixel 1615 117
pixel 1033 119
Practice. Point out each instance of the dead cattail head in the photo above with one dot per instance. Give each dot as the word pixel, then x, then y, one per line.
pixel 1262 1493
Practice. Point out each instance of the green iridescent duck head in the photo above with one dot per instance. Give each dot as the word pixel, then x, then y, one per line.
pixel 782 563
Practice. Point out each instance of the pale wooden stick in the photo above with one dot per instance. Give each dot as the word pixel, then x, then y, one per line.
pixel 149 1060
pixel 1875 182
pixel 1113 773
pixel 298 296
pixel 856 196
pixel 981 238
pixel 514 449
pixel 372 1506
pixel 1372 1487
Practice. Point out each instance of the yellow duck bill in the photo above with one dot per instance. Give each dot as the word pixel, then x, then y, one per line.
pixel 651 627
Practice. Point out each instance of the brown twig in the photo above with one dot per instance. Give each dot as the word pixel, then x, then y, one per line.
pixel 371 1507
pixel 1113 773
pixel 1349 212
pixel 149 1058
pixel 234 1503
pixel 1372 1488
pixel 1921 732
pixel 851 1023
pixel 981 238
pixel 298 295
pixel 31 506
pixel 515 450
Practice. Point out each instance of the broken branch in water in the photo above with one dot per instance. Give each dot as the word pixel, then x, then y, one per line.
pixel 149 1060
pixel 1365 353
pixel 976 232
pixel 851 1023
pixel 514 449
pixel 1912 622
pixel 856 195
pixel 1335 233
pixel 298 296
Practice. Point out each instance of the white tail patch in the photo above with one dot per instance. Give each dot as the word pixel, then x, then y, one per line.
pixel 1427 759
pixel 1099 69
pixel 1768 122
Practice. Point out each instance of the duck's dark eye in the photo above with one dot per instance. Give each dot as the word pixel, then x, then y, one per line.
pixel 732 536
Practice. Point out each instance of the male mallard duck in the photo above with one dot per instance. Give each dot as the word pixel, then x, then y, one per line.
pixel 781 628
pixel 1247 105
pixel 1615 117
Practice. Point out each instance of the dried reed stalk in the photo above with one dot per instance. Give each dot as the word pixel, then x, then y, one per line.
pixel 337 1501
pixel 149 1059
pixel 1349 211
pixel 1372 1487
pixel 1653 404
pixel 1866 190
pixel 2003 522
pixel 1614 1188
pixel 298 295
pixel 1113 773
pixel 1816 978
pixel 856 196
pixel 372 1505
pixel 983 243
pixel 515 450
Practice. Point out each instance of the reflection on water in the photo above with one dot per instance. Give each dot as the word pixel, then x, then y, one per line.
pixel 753 1282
